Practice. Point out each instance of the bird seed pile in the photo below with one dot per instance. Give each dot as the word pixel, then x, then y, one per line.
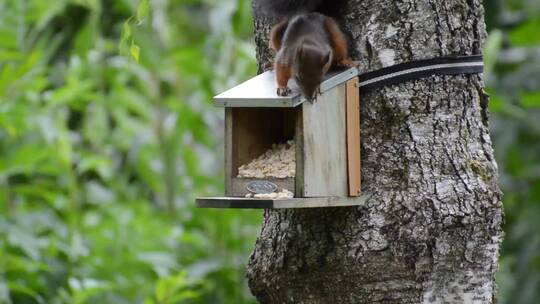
pixel 277 162
pixel 284 193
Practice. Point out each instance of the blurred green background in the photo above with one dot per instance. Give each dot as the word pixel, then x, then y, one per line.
pixel 107 133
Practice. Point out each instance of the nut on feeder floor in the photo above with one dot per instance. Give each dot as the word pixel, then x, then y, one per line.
pixel 285 152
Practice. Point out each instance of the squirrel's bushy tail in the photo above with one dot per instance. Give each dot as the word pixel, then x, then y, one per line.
pixel 287 8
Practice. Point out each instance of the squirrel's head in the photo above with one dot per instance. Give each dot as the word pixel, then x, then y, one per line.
pixel 312 63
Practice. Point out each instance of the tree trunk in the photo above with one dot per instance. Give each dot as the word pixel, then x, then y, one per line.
pixel 430 233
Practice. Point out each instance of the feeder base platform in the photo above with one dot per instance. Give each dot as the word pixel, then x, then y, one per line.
pixel 258 203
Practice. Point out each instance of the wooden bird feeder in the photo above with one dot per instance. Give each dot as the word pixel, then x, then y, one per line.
pixel 326 134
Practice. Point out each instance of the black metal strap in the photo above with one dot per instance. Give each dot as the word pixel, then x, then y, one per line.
pixel 420 69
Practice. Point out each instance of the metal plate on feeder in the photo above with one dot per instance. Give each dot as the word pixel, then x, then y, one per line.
pixel 261 187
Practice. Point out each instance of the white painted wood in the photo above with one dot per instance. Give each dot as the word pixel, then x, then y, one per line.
pixel 325 148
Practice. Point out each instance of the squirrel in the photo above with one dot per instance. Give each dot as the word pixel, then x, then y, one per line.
pixel 306 45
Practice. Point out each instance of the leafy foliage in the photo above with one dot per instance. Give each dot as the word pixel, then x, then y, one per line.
pixel 514 84
pixel 103 151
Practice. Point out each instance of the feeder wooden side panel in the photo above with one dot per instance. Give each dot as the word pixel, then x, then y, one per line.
pixel 325 147
pixel 230 171
pixel 299 154
pixel 353 136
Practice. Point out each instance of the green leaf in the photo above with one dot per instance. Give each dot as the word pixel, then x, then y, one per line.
pixel 135 52
pixel 125 37
pixel 491 50
pixel 530 100
pixel 126 33
pixel 8 39
pixel 162 289
pixel 142 10
pixel 526 34
pixel 4 292
pixel 16 287
pixel 496 104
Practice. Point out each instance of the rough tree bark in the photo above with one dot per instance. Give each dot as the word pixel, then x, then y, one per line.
pixel 431 230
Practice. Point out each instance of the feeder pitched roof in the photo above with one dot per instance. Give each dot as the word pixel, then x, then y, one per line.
pixel 260 91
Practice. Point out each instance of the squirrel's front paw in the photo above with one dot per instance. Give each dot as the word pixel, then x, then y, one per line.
pixel 284 91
